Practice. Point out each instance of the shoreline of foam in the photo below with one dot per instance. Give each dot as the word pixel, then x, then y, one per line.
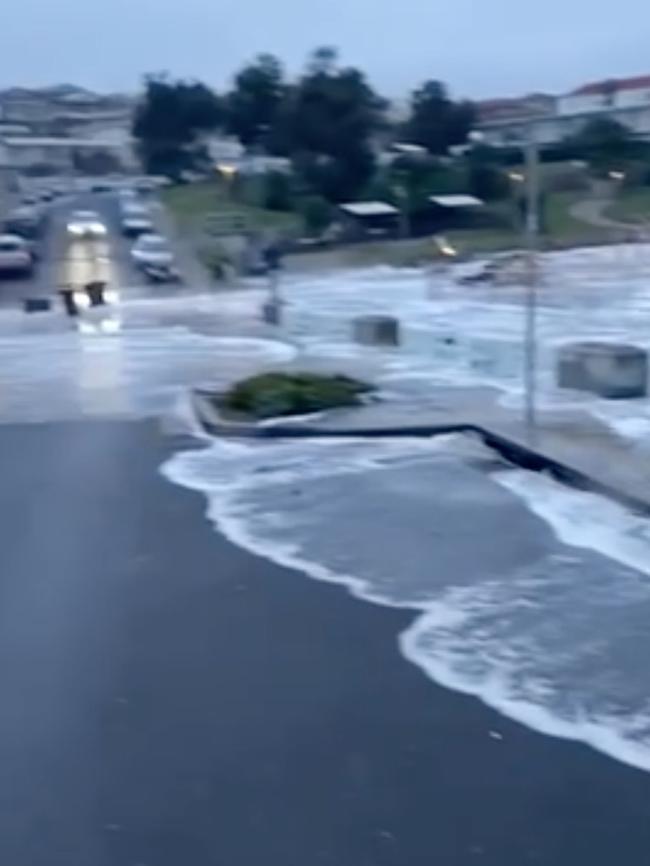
pixel 223 513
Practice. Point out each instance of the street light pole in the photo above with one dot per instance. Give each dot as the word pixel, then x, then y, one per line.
pixel 532 237
pixel 531 153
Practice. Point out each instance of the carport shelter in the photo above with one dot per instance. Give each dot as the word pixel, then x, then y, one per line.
pixel 367 219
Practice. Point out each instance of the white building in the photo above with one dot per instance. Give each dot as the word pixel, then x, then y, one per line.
pixel 34 122
pixel 625 100
pixel 26 152
pixel 228 151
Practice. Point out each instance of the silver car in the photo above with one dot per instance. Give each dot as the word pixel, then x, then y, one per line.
pixel 16 256
pixel 86 224
pixel 152 250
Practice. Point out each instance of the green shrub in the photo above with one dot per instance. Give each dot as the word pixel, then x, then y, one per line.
pixel 278 394
pixel 277 194
pixel 316 213
pixel 215 258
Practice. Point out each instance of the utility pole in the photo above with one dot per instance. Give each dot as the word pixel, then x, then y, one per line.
pixel 532 238
pixel 531 155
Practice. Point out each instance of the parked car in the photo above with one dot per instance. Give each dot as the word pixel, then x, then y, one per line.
pixel 146 184
pixel 86 224
pixel 127 195
pixel 15 256
pixel 136 221
pixel 152 249
pixel 27 222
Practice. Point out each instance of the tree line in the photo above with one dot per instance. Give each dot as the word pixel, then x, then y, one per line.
pixel 331 124
pixel 328 122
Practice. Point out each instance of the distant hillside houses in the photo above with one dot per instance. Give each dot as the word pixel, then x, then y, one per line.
pixel 51 125
pixel 507 122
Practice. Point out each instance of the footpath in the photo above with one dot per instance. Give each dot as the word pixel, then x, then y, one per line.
pixel 571 445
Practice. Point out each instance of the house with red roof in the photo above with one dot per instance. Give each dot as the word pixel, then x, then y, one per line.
pixel 608 96
pixel 507 122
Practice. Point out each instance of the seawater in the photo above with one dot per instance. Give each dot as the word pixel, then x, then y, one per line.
pixel 530 596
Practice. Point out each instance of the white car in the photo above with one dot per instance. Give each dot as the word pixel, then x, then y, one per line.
pixel 136 221
pixel 86 224
pixel 152 250
pixel 15 256
pixel 127 195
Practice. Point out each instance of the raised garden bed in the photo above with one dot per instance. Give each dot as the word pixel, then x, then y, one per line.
pixel 276 395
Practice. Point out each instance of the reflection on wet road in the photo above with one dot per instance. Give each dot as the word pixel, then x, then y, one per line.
pixel 127 358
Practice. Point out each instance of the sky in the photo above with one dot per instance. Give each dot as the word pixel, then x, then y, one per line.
pixel 480 48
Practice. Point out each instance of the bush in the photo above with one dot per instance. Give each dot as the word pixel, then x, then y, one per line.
pixel 569 180
pixel 277 191
pixel 216 259
pixel 488 182
pixel 316 213
pixel 40 169
pixel 279 394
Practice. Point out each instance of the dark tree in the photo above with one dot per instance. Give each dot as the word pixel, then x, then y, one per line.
pixel 331 117
pixel 253 105
pixel 277 191
pixel 316 213
pixel 168 122
pixel 435 121
pixel 96 162
pixel 604 142
pixel 487 179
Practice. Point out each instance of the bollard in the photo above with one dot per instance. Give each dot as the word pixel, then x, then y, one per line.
pixel 272 312
pixel 95 292
pixel 36 305
pixel 69 303
pixel 611 370
pixel 376 330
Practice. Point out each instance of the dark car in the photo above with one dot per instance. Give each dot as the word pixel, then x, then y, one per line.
pixel 146 184
pixel 26 222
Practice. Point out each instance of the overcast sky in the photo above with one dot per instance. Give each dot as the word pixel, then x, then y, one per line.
pixel 481 48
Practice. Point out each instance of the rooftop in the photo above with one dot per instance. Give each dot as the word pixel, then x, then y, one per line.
pixel 640 82
pixel 52 141
pixel 368 208
pixel 456 200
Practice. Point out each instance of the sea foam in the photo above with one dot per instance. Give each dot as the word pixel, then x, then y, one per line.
pixel 532 597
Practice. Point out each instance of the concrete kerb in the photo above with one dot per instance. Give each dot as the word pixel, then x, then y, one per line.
pixel 510 450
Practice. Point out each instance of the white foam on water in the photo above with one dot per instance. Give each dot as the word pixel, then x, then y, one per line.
pixel 610 735
pixel 583 519
pixel 545 622
pixel 137 372
pixel 227 469
pixel 469 336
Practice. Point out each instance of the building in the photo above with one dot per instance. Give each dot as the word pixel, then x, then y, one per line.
pixel 516 109
pixel 51 155
pixel 43 126
pixel 8 181
pixel 508 122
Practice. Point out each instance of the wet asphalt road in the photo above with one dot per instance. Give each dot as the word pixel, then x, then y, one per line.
pixel 62 261
pixel 166 699
pixel 90 704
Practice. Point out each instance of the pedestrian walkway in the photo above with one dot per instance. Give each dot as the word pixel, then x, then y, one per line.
pixel 592 212
pixel 570 438
pixel 571 444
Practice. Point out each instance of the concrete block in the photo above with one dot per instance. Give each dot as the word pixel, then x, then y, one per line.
pixel 36 305
pixel 611 370
pixel 376 330
pixel 272 312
